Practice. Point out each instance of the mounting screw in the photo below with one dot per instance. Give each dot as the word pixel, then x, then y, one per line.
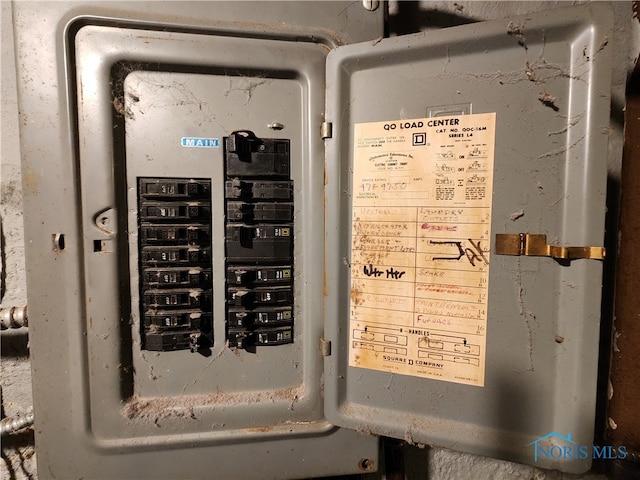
pixel 275 126
pixel 366 464
pixel 371 5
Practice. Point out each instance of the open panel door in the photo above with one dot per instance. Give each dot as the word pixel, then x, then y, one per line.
pixel 441 141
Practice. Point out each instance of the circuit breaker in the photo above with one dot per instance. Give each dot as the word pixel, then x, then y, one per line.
pixel 259 240
pixel 175 263
pixel 285 237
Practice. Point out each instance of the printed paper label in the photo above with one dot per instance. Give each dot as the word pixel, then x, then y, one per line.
pixel 421 226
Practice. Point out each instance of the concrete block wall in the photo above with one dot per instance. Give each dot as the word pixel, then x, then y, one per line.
pixel 430 463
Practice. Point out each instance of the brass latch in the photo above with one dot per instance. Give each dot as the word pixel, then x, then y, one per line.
pixel 536 245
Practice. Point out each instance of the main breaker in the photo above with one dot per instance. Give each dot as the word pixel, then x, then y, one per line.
pixel 284 235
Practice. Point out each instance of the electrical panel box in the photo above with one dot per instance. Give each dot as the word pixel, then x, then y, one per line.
pixel 278 246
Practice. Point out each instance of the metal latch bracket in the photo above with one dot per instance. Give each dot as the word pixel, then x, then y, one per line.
pixel 531 244
pixel 325 347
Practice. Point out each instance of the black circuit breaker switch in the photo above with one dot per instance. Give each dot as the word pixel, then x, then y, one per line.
pixel 273 295
pixel 178 211
pixel 178 298
pixel 259 189
pixel 240 276
pixel 236 188
pixel 185 276
pixel 174 188
pixel 248 156
pixel 259 243
pixel 240 143
pixel 240 338
pixel 176 318
pixel 172 234
pixel 194 341
pixel 171 255
pixel 274 190
pixel 262 316
pixel 259 211
pixel 243 338
pixel 259 275
pixel 240 297
pixel 260 296
pixel 276 336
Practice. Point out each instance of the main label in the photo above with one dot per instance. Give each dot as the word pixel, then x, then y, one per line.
pixel 200 142
pixel 421 226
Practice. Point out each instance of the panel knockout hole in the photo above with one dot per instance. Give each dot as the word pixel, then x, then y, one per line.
pixel 366 464
pixel 58 241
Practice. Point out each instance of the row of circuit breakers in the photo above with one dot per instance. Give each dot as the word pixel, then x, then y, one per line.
pixel 175 223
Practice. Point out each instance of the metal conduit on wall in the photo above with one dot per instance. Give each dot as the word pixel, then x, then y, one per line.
pixel 11 425
pixel 14 317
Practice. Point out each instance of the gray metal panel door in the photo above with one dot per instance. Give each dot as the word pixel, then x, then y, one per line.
pixel 534 91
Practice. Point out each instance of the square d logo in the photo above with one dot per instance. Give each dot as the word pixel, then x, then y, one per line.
pixel 419 138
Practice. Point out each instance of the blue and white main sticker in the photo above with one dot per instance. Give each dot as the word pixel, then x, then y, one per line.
pixel 200 142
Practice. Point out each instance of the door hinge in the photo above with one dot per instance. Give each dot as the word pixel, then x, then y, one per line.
pixel 325 347
pixel 531 244
pixel 326 131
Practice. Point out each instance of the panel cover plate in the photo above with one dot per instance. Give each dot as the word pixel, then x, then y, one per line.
pixel 78 296
pixel 546 77
pixel 155 104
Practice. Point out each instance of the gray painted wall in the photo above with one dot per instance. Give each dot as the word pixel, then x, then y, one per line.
pixel 18 452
